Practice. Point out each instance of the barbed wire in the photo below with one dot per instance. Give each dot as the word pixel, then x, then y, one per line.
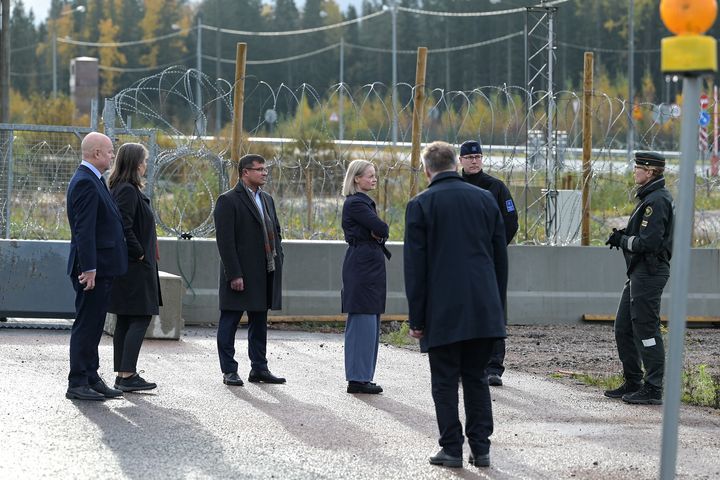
pixel 308 138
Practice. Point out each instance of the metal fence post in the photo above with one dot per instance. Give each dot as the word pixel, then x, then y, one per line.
pixel 153 151
pixel 94 114
pixel 8 190
pixel 109 118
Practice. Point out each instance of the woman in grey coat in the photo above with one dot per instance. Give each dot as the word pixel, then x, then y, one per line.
pixel 363 276
pixel 135 297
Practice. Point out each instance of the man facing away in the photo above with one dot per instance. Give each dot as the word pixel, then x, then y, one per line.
pixel 248 239
pixel 455 260
pixel 471 159
pixel 97 254
pixel 646 244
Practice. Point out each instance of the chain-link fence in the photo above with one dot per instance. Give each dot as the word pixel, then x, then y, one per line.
pixel 309 137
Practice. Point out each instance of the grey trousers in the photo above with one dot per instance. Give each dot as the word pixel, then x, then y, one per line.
pixel 637 328
pixel 362 338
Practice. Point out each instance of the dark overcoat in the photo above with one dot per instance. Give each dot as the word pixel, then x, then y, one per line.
pixel 96 230
pixel 138 291
pixel 363 273
pixel 455 262
pixel 240 241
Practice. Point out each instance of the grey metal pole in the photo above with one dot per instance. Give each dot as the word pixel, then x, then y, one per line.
pixel 551 147
pixel 393 11
pixel 10 179
pixel 153 153
pixel 5 63
pixel 341 100
pixel 680 274
pixel 54 61
pixel 218 102
pixel 109 118
pixel 198 91
pixel 631 77
pixel 94 114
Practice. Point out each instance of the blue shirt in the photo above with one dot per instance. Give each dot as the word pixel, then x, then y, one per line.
pixel 92 167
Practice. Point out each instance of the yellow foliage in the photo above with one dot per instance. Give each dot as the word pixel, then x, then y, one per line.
pixel 109 56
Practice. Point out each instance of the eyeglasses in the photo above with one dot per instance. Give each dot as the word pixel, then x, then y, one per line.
pixel 258 169
pixel 472 157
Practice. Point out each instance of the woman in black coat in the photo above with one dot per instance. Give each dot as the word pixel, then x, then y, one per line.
pixel 363 276
pixel 135 297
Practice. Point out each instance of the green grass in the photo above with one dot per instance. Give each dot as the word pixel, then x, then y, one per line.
pixel 699 387
pixel 398 337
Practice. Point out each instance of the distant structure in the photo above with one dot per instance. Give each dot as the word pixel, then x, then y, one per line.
pixel 84 81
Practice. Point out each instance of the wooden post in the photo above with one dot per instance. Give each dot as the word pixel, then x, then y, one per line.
pixel 238 103
pixel 587 146
pixel 418 113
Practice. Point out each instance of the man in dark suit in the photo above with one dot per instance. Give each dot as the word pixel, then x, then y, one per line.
pixel 248 239
pixel 97 254
pixel 471 159
pixel 455 280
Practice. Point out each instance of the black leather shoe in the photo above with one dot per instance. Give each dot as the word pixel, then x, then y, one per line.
pixel 232 379
pixel 364 387
pixel 101 388
pixel 442 458
pixel 264 376
pixel 625 388
pixel 133 383
pixel 647 395
pixel 83 393
pixel 494 380
pixel 479 460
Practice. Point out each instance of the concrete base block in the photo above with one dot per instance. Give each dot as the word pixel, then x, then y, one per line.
pixel 169 324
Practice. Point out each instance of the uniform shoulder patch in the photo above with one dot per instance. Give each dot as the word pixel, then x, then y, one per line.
pixel 648 211
pixel 509 206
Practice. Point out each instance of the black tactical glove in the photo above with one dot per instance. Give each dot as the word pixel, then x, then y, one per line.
pixel 615 238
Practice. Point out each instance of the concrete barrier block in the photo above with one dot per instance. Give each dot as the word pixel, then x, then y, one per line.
pixel 169 323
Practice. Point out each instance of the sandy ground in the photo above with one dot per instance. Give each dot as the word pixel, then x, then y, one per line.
pixel 193 426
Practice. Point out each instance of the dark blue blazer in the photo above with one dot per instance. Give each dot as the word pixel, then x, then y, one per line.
pixel 363 273
pixel 455 262
pixel 97 241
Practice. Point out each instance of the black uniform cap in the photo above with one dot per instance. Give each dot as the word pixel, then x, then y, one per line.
pixel 649 159
pixel 471 147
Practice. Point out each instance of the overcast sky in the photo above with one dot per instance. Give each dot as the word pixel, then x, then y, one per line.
pixel 41 7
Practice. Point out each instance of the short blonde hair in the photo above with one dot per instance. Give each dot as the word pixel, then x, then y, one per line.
pixel 355 169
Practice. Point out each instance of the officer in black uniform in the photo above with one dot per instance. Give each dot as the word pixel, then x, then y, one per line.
pixel 646 243
pixel 471 159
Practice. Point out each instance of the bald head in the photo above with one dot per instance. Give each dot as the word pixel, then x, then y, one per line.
pixel 97 149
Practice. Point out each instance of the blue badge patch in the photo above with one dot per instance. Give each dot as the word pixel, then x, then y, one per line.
pixel 509 206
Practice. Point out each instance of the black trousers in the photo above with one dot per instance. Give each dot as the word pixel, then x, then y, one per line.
pixel 468 359
pixel 497 358
pixel 257 339
pixel 90 310
pixel 127 340
pixel 637 327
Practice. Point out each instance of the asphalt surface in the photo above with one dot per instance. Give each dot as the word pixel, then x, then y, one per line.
pixel 193 426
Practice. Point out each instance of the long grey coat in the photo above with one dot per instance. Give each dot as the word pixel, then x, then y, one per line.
pixel 239 236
